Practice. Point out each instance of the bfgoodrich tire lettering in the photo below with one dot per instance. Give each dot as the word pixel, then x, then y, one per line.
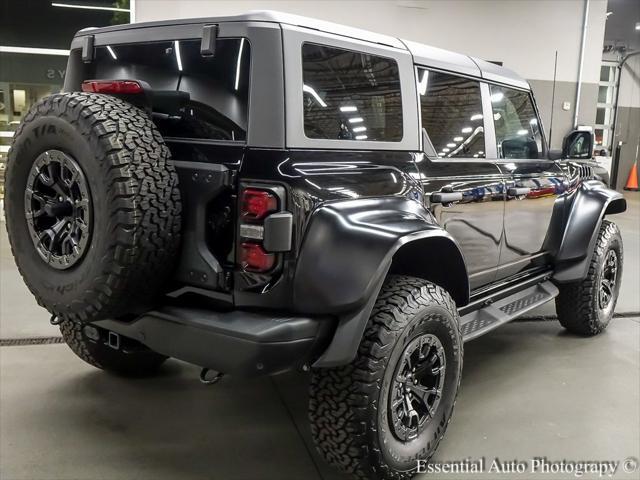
pixel 135 202
pixel 349 406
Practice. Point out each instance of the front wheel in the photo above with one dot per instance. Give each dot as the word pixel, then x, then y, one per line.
pixel 586 307
pixel 378 416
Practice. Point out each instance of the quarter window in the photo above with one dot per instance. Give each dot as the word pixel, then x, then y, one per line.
pixel 350 95
pixel 518 133
pixel 451 109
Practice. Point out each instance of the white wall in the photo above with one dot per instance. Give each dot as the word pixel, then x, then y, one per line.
pixel 523 34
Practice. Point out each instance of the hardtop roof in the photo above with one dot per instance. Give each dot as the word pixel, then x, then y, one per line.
pixel 423 54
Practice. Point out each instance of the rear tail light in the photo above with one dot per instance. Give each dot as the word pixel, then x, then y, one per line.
pixel 253 258
pixel 112 86
pixel 257 204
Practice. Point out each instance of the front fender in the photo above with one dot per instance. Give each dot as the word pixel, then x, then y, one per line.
pixel 592 201
pixel 348 248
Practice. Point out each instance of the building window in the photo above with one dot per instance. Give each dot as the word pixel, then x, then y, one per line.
pixel 606 105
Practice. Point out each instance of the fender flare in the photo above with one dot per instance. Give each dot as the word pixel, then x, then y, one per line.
pixel 347 251
pixel 591 203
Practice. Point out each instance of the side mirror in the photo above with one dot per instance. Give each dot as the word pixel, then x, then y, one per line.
pixel 578 144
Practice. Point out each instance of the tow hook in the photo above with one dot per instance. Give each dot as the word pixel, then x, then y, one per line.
pixel 210 379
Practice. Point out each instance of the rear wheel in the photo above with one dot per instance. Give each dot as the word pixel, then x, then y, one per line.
pixel 376 417
pixel 123 356
pixel 92 206
pixel 586 307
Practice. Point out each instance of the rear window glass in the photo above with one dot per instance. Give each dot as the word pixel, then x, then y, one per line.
pixel 217 87
pixel 350 95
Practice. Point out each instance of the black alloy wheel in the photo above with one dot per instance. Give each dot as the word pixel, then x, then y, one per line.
pixel 417 387
pixel 608 280
pixel 57 204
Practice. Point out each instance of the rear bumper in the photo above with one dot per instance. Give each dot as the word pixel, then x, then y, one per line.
pixel 236 342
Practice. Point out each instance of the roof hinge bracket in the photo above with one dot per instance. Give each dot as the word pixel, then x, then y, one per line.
pixel 88 51
pixel 209 37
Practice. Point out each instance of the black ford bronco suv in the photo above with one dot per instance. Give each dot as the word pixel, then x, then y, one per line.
pixel 266 192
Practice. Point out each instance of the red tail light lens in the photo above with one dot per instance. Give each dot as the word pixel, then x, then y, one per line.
pixel 111 86
pixel 257 204
pixel 253 258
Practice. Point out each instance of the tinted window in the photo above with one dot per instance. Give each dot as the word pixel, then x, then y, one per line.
pixel 518 133
pixel 350 95
pixel 451 109
pixel 218 86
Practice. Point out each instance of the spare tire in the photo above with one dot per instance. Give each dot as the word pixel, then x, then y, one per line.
pixel 92 206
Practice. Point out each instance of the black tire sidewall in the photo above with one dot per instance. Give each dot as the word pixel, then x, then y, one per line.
pixel 438 321
pixel 612 243
pixel 55 287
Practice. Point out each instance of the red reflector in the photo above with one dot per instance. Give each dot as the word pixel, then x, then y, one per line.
pixel 256 204
pixel 111 86
pixel 253 258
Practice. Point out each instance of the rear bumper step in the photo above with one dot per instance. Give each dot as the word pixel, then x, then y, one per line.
pixel 236 342
pixel 480 321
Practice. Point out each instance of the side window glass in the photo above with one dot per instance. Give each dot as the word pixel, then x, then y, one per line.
pixel 451 109
pixel 350 95
pixel 518 134
pixel 215 98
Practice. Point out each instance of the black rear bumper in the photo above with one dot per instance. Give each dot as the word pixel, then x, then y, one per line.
pixel 236 342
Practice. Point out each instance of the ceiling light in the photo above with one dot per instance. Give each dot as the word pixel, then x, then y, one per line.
pixel 359 129
pixel 6 134
pixel 446 150
pixel 458 139
pixel 523 132
pixel 238 63
pixel 467 130
pixel 480 152
pixel 35 51
pixel 637 25
pixel 113 54
pixel 497 116
pixel 451 145
pixel 178 57
pixel 361 137
pixel 314 94
pixel 356 120
pixel 475 156
pixel 477 116
pixel 349 108
pixel 533 121
pixel 497 97
pixel 441 154
pixel 90 7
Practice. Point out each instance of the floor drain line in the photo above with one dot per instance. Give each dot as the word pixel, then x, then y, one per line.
pixel 18 342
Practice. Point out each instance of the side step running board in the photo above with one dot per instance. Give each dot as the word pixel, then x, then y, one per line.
pixel 478 322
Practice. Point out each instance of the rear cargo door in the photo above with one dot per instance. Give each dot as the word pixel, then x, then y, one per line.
pixel 205 126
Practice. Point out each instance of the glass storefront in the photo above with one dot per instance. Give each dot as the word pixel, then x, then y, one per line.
pixel 32 53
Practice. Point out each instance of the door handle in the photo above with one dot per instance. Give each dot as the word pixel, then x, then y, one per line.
pixel 445 197
pixel 518 191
